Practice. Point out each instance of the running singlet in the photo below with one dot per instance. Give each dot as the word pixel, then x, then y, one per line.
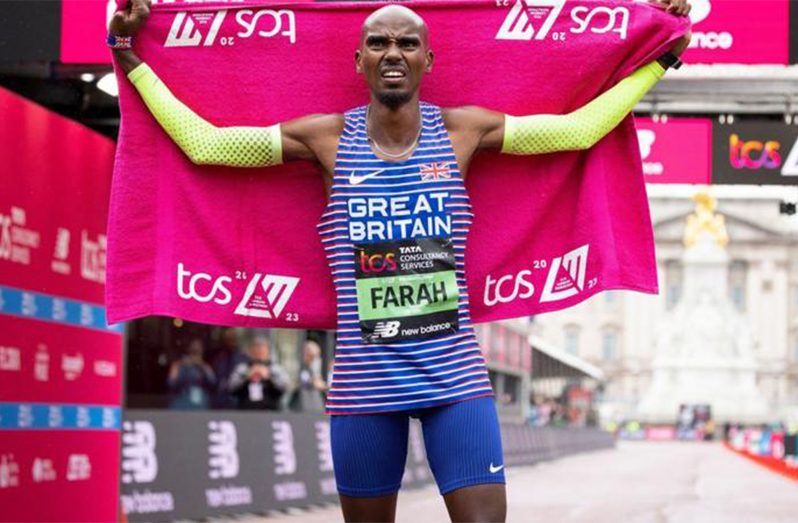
pixel 394 235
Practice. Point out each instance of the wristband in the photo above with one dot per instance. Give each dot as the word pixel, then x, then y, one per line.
pixel 670 60
pixel 119 42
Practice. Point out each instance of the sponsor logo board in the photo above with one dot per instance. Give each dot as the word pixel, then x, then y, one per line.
pixel 721 35
pixel 757 153
pixel 676 151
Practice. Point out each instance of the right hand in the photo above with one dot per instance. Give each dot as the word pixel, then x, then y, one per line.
pixel 128 21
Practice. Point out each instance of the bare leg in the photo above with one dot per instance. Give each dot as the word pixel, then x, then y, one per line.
pixel 361 510
pixel 478 504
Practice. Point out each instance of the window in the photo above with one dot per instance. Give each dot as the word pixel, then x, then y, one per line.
pixel 673 283
pixel 738 273
pixel 611 298
pixel 572 339
pixel 609 345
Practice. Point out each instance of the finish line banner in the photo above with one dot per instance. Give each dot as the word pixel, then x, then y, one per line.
pixel 240 247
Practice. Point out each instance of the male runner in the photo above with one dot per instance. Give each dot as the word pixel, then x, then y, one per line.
pixel 405 343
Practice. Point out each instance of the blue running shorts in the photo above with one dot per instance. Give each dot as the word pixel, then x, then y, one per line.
pixel 462 440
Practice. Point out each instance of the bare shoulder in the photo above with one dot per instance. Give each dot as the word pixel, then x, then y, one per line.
pixel 471 119
pixel 313 137
pixel 314 127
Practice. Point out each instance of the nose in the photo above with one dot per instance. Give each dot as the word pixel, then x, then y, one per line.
pixel 393 53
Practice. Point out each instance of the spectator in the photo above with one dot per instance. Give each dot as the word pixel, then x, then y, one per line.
pixel 224 362
pixel 258 383
pixel 191 380
pixel 309 395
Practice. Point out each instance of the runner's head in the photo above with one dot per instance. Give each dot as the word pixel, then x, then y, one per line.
pixel 394 54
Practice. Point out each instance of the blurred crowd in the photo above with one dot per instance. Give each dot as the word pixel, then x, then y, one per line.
pixel 244 375
pixel 547 411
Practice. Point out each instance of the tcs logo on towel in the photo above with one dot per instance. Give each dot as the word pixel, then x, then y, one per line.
pixel 203 29
pixel 266 295
pixel 534 19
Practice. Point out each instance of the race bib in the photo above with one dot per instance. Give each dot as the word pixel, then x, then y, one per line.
pixel 406 290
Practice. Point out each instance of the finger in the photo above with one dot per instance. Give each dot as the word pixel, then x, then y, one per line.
pixel 141 8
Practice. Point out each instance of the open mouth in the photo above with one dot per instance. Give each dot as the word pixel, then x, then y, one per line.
pixel 393 75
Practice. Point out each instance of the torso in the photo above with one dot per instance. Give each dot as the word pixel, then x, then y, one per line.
pixel 394 234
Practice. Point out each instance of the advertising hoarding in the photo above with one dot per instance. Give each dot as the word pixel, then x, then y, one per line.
pixel 193 465
pixel 676 151
pixel 60 363
pixel 739 32
pixel 755 152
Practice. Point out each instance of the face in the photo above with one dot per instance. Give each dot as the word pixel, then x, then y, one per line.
pixel 394 55
pixel 311 352
pixel 259 350
pixel 195 349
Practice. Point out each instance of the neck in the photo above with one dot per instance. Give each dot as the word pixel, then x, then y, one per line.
pixel 394 129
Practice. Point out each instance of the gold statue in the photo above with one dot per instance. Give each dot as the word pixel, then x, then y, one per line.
pixel 704 220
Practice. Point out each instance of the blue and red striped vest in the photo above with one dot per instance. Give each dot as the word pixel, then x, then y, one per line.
pixel 395 235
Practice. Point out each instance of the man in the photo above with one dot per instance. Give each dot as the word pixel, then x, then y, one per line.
pixel 405 344
pixel 258 383
pixel 309 394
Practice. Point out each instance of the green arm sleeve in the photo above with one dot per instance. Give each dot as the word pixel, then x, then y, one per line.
pixel 583 128
pixel 203 142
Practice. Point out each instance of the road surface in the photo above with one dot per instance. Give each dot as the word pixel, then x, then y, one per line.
pixel 639 482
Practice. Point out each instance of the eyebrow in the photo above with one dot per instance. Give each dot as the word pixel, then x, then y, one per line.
pixel 413 39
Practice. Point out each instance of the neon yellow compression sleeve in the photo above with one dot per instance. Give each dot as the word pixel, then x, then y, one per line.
pixel 583 128
pixel 203 142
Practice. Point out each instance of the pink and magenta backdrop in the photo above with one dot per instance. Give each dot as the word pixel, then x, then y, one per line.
pixel 60 364
pixel 676 151
pixel 573 224
pixel 740 32
pixel 733 31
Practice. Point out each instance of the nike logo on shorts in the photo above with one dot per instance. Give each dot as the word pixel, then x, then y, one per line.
pixel 494 470
pixel 354 179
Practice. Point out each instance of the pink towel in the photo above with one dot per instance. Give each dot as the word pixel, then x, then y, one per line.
pixel 240 247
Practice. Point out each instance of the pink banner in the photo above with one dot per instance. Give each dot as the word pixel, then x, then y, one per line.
pixel 739 31
pixel 59 475
pixel 212 244
pixel 676 151
pixel 60 363
pixel 83 29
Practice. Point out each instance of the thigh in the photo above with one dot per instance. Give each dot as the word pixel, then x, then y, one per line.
pixel 369 453
pixel 463 444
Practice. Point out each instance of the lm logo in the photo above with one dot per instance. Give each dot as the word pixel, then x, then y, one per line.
pixel 185 33
pixel 572 282
pixel 139 462
pixel 525 15
pixel 187 29
pixel 223 458
pixel 266 296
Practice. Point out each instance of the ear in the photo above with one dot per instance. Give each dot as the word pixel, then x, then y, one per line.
pixel 358 61
pixel 430 60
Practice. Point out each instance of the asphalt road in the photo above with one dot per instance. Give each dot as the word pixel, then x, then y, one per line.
pixel 639 482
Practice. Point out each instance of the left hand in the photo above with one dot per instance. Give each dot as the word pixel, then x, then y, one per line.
pixel 681 44
pixel 674 7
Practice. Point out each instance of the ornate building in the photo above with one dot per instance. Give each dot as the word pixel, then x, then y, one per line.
pixel 619 331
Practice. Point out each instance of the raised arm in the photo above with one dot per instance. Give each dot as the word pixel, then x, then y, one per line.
pixel 475 128
pixel 583 128
pixel 310 138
